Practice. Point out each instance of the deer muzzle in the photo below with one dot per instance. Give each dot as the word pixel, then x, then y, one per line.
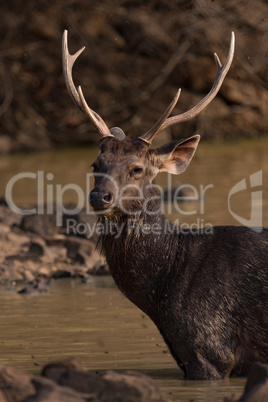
pixel 100 200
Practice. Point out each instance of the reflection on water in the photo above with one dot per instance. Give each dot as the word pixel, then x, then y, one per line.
pixel 97 324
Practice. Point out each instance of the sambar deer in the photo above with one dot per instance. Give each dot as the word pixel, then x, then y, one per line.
pixel 206 293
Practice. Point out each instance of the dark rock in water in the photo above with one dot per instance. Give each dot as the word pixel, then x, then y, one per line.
pixel 15 384
pixel 87 279
pixel 63 273
pixel 101 268
pixel 68 381
pixel 36 288
pixel 57 369
pixel 256 388
pixel 48 391
pixel 108 386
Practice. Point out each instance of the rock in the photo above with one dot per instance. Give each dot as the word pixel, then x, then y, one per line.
pixel 79 249
pixel 18 239
pixel 16 385
pixel 68 381
pixel 134 386
pixel 44 272
pixel 43 225
pixel 36 288
pixel 84 252
pixel 108 386
pixel 36 249
pixel 7 216
pixel 256 388
pixel 48 391
pixel 63 273
pixel 87 279
pixel 11 272
pixel 56 369
pixel 28 276
pixel 101 268
pixel 4 231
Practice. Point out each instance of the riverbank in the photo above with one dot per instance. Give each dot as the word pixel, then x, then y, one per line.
pixel 34 249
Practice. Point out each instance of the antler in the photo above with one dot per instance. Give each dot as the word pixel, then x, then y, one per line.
pixel 68 61
pixel 165 122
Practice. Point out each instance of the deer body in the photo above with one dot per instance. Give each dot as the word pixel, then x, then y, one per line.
pixel 206 292
pixel 198 290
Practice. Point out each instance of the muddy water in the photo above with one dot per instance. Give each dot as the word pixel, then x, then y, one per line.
pixel 95 322
pixel 99 326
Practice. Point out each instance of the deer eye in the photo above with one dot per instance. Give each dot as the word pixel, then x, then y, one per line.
pixel 137 170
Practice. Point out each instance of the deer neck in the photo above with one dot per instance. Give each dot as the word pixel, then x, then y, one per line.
pixel 137 249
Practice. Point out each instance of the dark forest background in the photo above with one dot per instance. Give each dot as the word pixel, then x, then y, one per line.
pixel 137 55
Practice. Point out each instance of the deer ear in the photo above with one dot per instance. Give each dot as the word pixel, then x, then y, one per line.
pixel 175 156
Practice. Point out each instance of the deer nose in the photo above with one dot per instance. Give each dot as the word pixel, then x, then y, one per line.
pixel 100 200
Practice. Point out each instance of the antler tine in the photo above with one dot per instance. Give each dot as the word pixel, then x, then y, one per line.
pixel 148 137
pixel 68 61
pixel 94 117
pixel 220 75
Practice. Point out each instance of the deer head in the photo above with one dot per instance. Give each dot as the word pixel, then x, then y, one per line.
pixel 125 168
